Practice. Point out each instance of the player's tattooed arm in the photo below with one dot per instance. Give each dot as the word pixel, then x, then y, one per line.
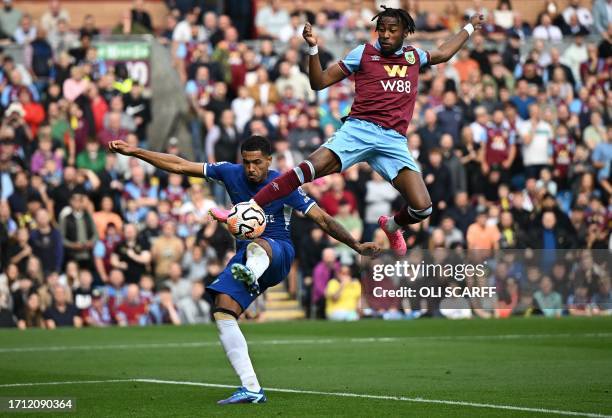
pixel 455 43
pixel 319 78
pixel 337 231
pixel 167 162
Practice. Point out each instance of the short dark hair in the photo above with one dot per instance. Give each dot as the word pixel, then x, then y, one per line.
pixel 401 15
pixel 257 143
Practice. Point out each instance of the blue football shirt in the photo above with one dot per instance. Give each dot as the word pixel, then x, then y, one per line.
pixel 278 213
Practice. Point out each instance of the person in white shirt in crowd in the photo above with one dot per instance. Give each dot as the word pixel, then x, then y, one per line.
pixel 574 55
pixel 536 136
pixel 271 19
pixel 293 29
pixel 547 31
pixel 242 106
pixel 26 31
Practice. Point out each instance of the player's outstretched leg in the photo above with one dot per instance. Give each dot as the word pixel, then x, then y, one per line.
pixel 410 184
pixel 237 352
pixel 257 261
pixel 319 164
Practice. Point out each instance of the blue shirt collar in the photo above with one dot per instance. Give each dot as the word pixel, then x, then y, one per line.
pixel 398 52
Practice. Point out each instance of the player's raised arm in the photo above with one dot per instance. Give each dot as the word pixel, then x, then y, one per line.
pixel 319 78
pixel 454 44
pixel 333 228
pixel 166 162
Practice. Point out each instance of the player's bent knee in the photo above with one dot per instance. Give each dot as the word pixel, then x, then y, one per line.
pixel 222 314
pixel 420 214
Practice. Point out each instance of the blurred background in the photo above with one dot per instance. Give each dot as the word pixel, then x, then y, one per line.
pixel 513 137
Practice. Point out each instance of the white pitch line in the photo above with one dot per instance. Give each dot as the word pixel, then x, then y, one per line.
pixel 337 394
pixel 364 340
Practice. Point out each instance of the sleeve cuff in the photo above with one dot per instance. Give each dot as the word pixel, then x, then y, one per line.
pixel 344 68
pixel 309 207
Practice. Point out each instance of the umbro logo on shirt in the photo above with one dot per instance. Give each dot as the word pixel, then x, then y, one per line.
pixel 375 57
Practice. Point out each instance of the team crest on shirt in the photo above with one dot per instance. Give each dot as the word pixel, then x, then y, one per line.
pixel 410 58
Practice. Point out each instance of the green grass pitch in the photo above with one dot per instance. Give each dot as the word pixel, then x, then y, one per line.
pixel 422 368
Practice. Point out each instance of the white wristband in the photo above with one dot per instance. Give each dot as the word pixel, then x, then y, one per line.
pixel 313 50
pixel 469 28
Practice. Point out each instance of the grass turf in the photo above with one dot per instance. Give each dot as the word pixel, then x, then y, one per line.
pixel 563 364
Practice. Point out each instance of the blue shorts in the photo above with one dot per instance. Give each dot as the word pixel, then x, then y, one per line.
pixel 282 257
pixel 384 149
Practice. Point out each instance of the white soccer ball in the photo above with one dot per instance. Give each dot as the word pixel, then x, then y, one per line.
pixel 246 221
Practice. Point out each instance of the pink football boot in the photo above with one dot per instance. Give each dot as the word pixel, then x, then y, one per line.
pixel 396 239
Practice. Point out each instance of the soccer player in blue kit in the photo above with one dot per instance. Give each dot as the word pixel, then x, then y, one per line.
pixel 258 264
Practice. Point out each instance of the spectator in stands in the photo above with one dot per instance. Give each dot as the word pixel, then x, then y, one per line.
pixel 46 243
pixel 297 80
pixel 129 27
pixel 537 136
pixel 480 235
pixel 163 310
pixel 133 310
pixel 222 140
pixel 139 108
pixel 98 314
pixel 438 180
pixel 322 273
pixel 50 19
pixel 193 309
pixel 91 158
pixel 547 31
pixel 130 255
pixel 550 235
pixel 78 230
pixel 62 313
pixel 166 249
pixel 89 26
pixel 31 315
pixel 26 31
pixel 342 296
pixel 601 15
pixel 547 300
pixel 271 19
pixel 9 19
pixel 141 16
pixel 179 286
pixel 105 216
pixel 62 39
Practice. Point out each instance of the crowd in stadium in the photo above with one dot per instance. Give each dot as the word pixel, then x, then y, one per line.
pixel 515 146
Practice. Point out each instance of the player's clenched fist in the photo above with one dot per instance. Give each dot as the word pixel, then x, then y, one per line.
pixel 477 20
pixel 308 35
pixel 121 147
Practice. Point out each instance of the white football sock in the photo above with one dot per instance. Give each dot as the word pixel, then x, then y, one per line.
pixel 257 259
pixel 392 226
pixel 237 352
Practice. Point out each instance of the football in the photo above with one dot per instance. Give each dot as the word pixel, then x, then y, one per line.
pixel 246 221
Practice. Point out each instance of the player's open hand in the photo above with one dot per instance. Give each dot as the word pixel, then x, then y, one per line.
pixel 308 35
pixel 121 147
pixel 368 249
pixel 477 20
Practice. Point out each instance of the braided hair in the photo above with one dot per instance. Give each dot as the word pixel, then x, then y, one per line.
pixel 400 14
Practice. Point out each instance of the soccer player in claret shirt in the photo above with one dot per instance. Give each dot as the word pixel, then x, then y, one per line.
pixel 386 85
pixel 258 264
